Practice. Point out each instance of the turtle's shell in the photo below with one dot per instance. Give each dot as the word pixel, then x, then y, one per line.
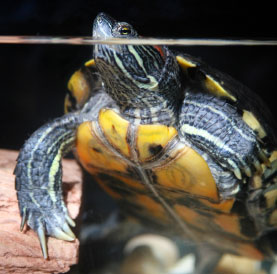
pixel 161 180
pixel 126 160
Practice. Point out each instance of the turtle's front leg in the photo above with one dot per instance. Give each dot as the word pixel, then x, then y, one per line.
pixel 217 127
pixel 39 180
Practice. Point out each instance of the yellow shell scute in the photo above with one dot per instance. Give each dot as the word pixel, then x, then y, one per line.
pixel 210 83
pixel 79 88
pixel 249 118
pixel 184 63
pixel 229 223
pixel 131 183
pixel 152 207
pixel 188 215
pixel 114 194
pixel 217 89
pixel 90 63
pixel 93 154
pixel 215 222
pixel 115 129
pixel 188 172
pixel 219 225
pixel 223 206
pixel 153 138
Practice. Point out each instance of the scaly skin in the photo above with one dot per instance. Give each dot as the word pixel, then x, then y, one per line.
pixel 39 173
pixel 217 128
pixel 38 179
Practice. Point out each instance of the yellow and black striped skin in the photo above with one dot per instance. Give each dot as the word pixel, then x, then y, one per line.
pixel 170 139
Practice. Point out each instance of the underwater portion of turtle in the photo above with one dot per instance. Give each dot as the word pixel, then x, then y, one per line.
pixel 180 146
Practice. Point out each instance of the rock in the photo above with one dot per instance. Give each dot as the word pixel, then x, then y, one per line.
pixel 20 251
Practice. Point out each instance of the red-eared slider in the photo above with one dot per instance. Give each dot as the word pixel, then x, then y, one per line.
pixel 178 144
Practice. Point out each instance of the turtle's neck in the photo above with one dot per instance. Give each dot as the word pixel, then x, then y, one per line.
pixel 160 112
pixel 144 81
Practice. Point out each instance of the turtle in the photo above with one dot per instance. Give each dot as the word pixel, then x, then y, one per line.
pixel 180 146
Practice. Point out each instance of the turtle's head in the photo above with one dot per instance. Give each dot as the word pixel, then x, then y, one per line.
pixel 135 76
pixel 105 27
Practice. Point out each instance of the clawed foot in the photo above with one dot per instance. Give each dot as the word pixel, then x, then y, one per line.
pixel 52 222
pixel 253 162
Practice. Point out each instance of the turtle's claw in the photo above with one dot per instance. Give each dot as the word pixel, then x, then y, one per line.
pixel 68 231
pixel 54 222
pixel 56 228
pixel 257 165
pixel 42 240
pixel 70 221
pixel 247 171
pixel 23 219
pixel 251 164
pixel 61 235
pixel 237 173
pixel 263 157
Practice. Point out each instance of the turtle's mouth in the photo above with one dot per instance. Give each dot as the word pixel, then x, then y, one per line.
pixel 102 26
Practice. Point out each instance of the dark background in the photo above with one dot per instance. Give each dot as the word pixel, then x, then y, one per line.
pixel 33 77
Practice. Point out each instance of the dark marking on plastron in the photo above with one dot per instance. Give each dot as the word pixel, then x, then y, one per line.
pixel 116 185
pixel 114 129
pixel 196 205
pixel 96 149
pixel 155 149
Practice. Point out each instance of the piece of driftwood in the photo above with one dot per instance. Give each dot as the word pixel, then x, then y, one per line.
pixel 20 251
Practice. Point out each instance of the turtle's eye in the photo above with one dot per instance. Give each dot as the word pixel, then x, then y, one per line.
pixel 125 30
